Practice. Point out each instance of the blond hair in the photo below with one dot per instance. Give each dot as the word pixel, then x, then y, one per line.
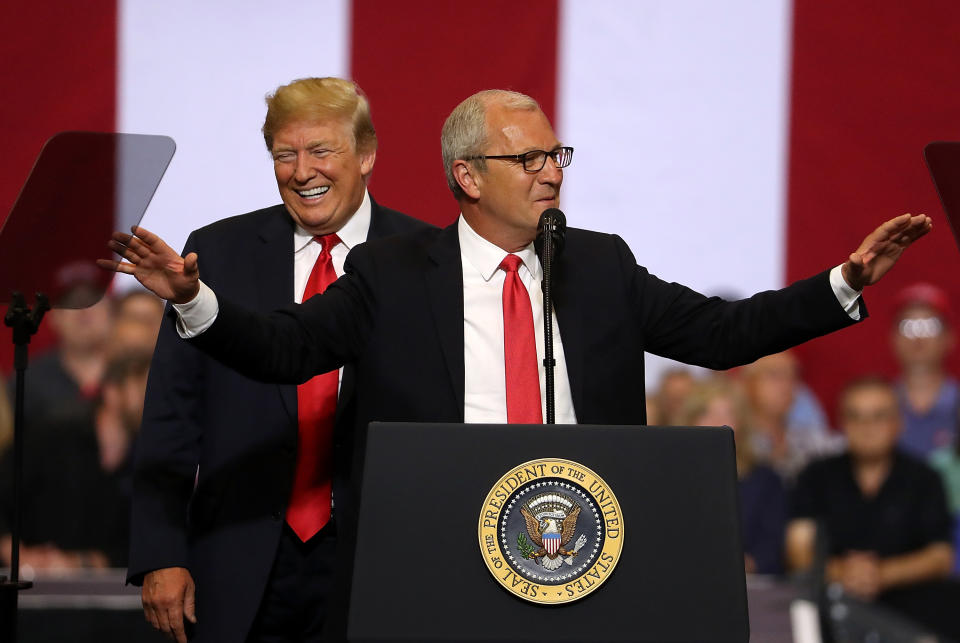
pixel 464 133
pixel 321 99
pixel 696 404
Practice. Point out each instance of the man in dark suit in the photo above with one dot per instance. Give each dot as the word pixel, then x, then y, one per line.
pixel 443 325
pixel 219 452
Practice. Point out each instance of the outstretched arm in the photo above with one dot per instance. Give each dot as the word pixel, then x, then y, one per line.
pixel 289 346
pixel 155 265
pixel 881 249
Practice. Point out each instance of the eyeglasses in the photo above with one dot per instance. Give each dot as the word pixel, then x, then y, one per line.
pixel 534 160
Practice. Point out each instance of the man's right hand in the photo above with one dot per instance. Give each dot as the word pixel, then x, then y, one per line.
pixel 168 599
pixel 155 265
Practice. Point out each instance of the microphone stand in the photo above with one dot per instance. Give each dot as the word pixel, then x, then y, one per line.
pixel 548 361
pixel 549 243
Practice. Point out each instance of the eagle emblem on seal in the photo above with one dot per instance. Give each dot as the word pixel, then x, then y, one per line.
pixel 551 520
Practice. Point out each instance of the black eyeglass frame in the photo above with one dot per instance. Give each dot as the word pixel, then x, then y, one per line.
pixel 523 158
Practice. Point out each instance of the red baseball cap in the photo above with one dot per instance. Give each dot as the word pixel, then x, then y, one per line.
pixel 924 294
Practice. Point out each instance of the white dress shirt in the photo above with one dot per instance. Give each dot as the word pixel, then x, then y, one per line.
pixel 305 253
pixel 485 391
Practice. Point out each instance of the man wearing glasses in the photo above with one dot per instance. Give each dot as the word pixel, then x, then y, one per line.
pixel 446 325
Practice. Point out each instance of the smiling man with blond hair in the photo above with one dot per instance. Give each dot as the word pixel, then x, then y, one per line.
pixel 233 532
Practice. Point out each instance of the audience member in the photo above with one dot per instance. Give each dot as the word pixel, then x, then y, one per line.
pixel 130 335
pixel 120 414
pixel 675 385
pixel 763 511
pixel 653 411
pixel 947 462
pixel 142 306
pixel 922 339
pixel 136 323
pixel 884 513
pixel 806 413
pixel 787 443
pixel 65 380
pixel 76 491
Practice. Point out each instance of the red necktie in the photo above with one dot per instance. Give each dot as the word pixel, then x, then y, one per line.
pixel 309 508
pixel 519 349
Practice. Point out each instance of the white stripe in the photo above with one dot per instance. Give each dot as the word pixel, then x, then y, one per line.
pixel 678 113
pixel 199 71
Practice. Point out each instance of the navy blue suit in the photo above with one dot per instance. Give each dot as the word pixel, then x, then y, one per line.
pixel 241 433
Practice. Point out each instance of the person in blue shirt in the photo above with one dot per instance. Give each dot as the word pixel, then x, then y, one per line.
pixel 929 397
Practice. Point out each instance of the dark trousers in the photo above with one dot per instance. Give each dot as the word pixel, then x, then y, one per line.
pixel 297 596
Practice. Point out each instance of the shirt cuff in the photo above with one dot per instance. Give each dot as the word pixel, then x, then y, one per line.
pixel 847 296
pixel 198 314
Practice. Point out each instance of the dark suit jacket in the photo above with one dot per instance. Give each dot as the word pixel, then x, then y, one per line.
pixel 398 316
pixel 242 434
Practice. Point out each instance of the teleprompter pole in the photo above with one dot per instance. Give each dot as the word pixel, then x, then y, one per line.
pixel 24 323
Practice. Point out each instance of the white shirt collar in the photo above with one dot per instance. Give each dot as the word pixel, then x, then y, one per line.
pixel 353 232
pixel 485 257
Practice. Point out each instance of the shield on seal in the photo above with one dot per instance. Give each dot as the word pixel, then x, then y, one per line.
pixel 551 542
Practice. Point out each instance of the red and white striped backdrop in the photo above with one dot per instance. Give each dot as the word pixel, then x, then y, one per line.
pixel 734 145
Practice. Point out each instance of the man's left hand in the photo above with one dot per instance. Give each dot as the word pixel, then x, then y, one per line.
pixel 881 249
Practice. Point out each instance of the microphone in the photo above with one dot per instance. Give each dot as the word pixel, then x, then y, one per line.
pixel 554 221
pixel 549 242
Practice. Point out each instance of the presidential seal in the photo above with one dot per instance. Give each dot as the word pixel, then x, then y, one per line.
pixel 551 531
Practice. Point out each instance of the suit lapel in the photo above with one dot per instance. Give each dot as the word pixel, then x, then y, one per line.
pixel 274 278
pixel 570 323
pixel 445 292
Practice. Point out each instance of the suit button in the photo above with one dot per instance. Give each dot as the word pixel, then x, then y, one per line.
pixel 276 515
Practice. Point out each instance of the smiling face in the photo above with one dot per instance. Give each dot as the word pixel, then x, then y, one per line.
pixel 505 200
pixel 320 174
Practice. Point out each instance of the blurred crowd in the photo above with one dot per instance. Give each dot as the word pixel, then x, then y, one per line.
pixel 874 500
pixel 83 403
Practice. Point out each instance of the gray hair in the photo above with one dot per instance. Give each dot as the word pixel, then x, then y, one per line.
pixel 464 133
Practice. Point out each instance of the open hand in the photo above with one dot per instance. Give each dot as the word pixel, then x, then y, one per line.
pixel 155 265
pixel 881 249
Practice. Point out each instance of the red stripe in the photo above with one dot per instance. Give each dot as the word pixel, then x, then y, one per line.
pixel 417 60
pixel 59 73
pixel 873 82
